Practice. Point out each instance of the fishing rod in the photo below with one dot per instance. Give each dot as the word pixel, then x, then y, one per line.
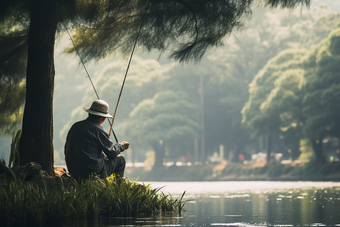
pixel 127 69
pixel 88 75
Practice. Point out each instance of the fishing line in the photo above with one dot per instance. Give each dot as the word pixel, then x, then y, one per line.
pixel 88 75
pixel 81 60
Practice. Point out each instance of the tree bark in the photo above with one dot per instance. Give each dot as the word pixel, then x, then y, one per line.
pixel 36 142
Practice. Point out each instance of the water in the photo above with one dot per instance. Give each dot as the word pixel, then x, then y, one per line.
pixel 246 204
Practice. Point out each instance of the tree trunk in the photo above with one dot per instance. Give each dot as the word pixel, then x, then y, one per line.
pixel 159 149
pixel 36 142
pixel 318 150
pixel 203 155
pixel 233 154
pixel 269 148
pixel 295 151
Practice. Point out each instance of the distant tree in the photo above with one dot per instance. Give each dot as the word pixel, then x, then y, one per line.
pixel 228 71
pixel 296 95
pixel 168 122
pixel 145 79
pixel 276 94
pixel 321 103
pixel 104 27
pixel 286 100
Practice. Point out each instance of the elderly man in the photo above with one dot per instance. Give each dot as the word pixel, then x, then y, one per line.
pixel 88 148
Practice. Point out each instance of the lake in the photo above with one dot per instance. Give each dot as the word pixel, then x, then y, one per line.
pixel 245 204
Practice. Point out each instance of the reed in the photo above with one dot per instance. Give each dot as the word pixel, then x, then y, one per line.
pixel 23 203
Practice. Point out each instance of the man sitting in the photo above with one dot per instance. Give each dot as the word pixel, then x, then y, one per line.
pixel 88 148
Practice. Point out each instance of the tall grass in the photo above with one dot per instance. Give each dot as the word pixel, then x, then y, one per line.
pixel 23 203
pixel 14 154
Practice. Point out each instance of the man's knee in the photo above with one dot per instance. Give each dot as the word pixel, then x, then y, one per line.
pixel 121 161
pixel 121 158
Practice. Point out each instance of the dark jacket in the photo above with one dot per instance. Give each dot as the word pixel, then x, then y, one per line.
pixel 85 143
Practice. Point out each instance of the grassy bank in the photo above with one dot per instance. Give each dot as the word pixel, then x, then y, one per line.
pixel 25 203
pixel 236 171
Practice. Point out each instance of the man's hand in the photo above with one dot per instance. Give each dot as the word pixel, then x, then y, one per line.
pixel 126 145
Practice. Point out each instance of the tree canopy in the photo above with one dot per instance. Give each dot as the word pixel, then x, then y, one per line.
pixel 164 122
pixel 226 74
pixel 274 104
pixel 277 84
pixel 321 101
pixel 298 90
pixel 188 27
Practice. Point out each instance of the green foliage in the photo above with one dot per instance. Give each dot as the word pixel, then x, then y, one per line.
pixel 169 117
pixel 13 52
pixel 200 24
pixel 187 28
pixel 231 169
pixel 311 169
pixel 13 61
pixel 275 95
pixel 321 100
pixel 226 74
pixel 306 150
pixel 274 103
pixel 261 170
pixel 23 203
pixel 230 70
pixel 144 81
pixel 176 173
pixel 315 169
pixel 12 96
pixel 295 94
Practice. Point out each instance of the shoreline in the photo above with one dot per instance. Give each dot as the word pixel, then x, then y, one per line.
pixel 238 172
pixel 215 173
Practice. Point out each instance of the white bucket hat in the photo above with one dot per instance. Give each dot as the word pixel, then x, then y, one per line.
pixel 99 108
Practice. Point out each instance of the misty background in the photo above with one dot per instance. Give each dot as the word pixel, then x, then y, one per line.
pixel 263 83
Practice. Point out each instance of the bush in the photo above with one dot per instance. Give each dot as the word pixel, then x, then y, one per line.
pixel 278 170
pixel 314 169
pixel 260 170
pixel 232 169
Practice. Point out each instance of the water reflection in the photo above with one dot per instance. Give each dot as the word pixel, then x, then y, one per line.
pixel 246 204
pixel 309 205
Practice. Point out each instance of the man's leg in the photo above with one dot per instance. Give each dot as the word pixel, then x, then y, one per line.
pixel 120 166
pixel 116 166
